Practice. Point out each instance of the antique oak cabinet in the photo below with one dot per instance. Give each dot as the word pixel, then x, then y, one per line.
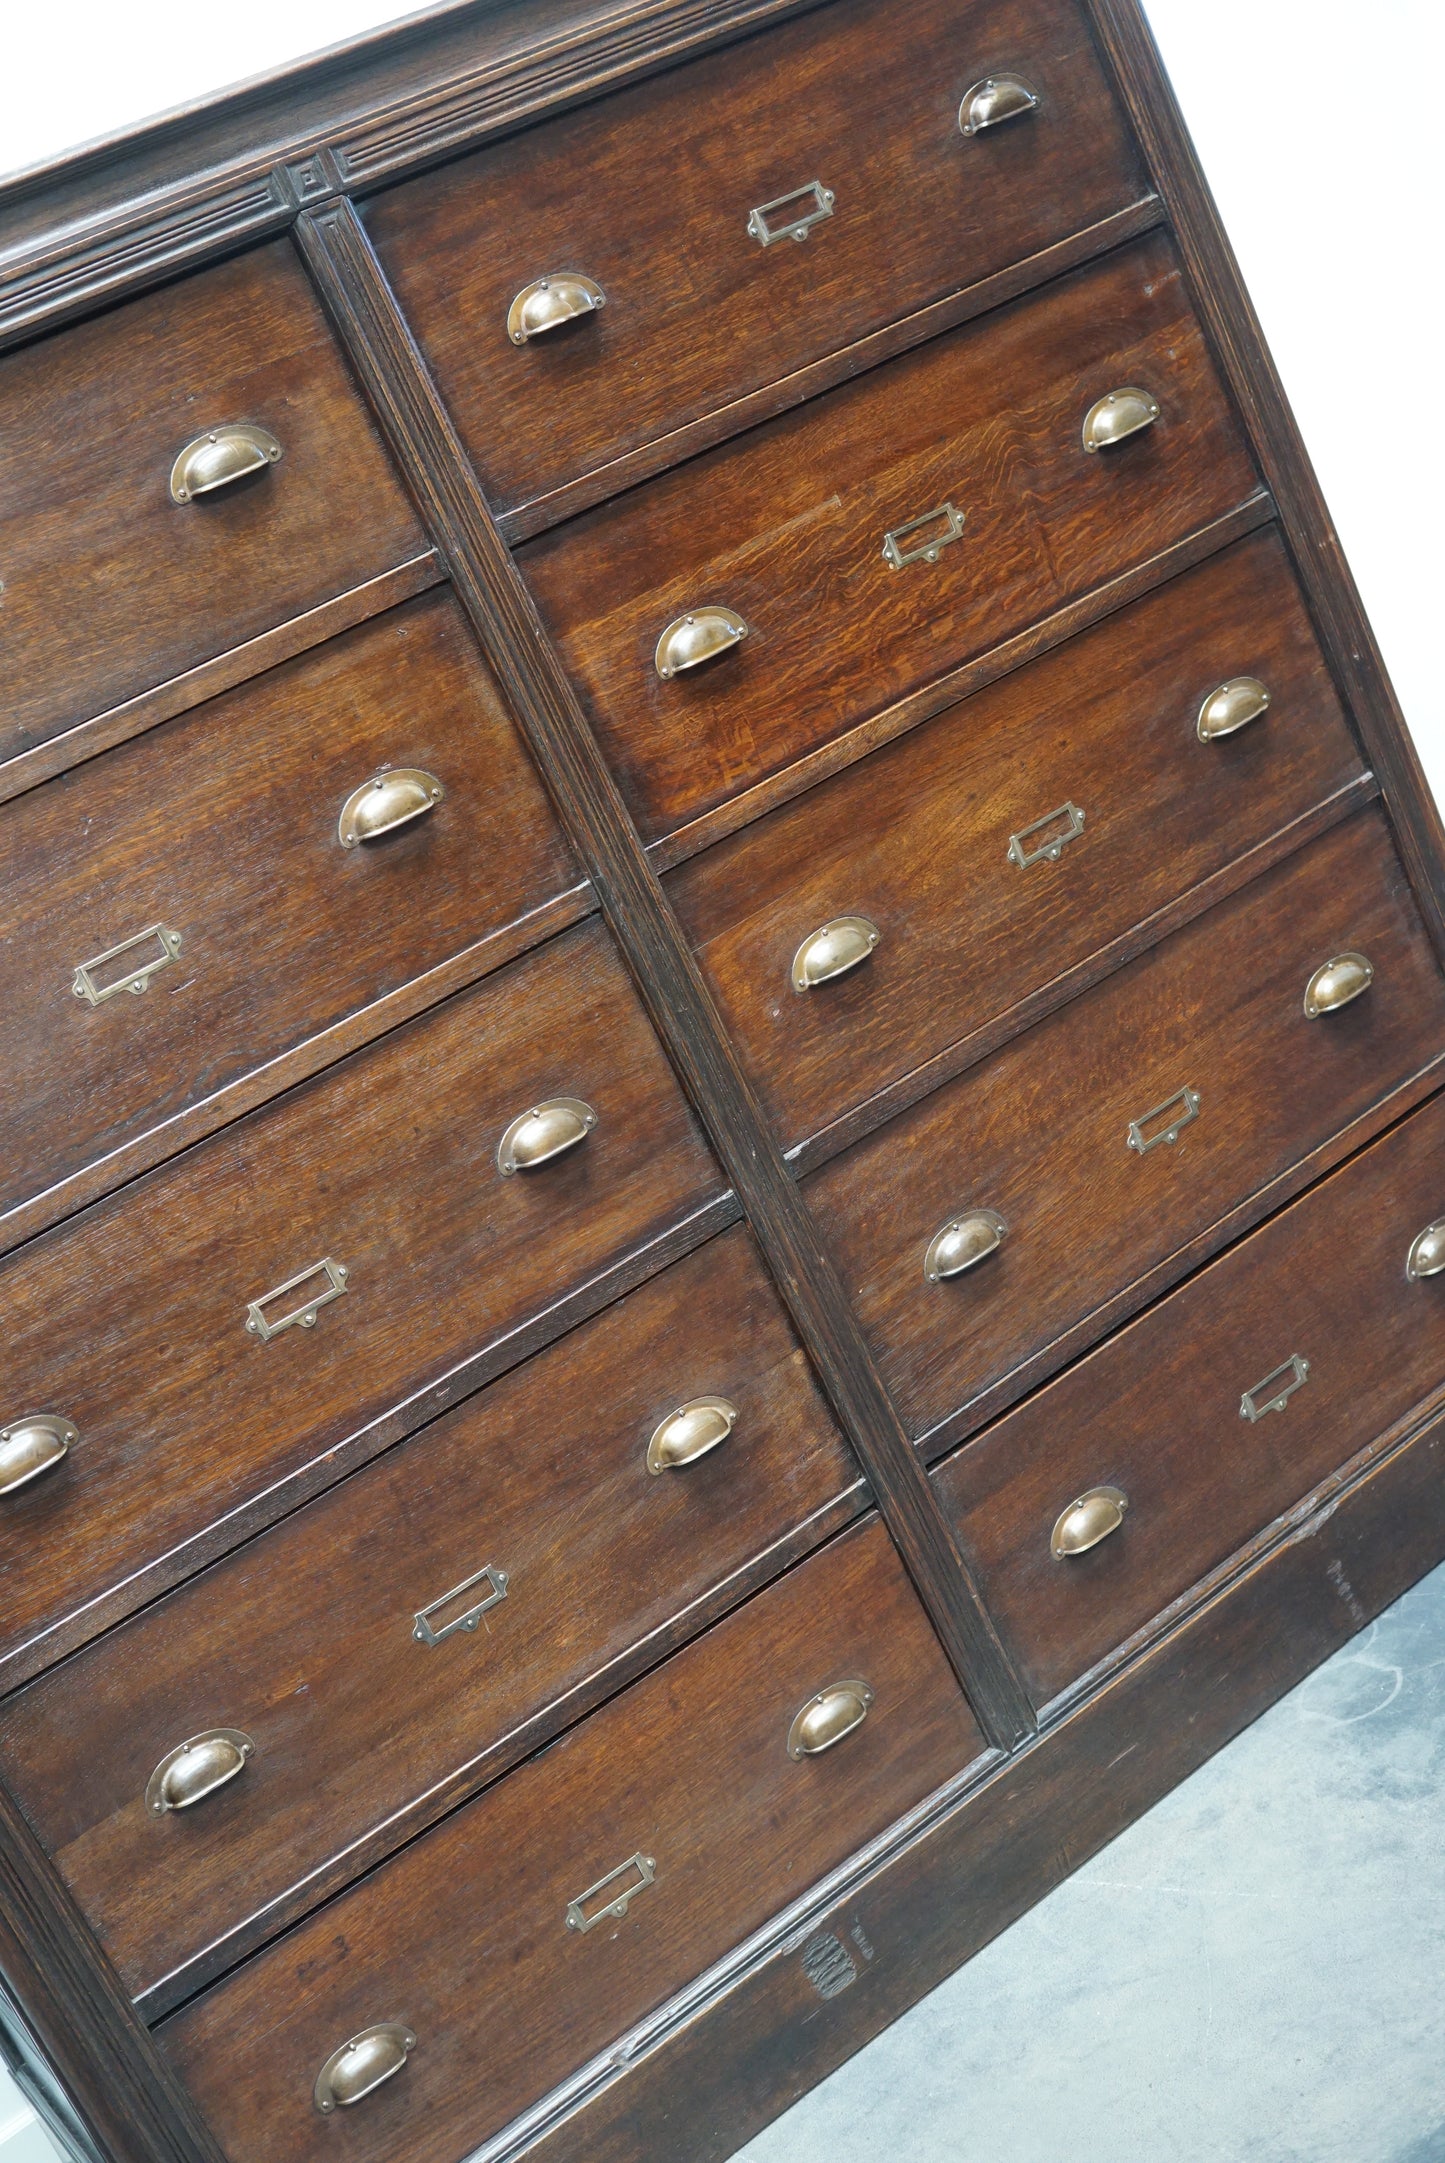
pixel 723 1207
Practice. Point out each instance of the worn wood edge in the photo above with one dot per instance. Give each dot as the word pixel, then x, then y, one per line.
pixel 361 1445
pixel 286 1070
pixel 1166 1275
pixel 1234 331
pixel 530 1735
pixel 934 698
pixel 715 2065
pixel 223 672
pixel 374 335
pixel 971 1050
pixel 537 515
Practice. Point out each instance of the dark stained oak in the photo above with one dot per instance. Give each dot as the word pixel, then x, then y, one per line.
pixel 131 1319
pixel 1039 1132
pixel 304 1639
pixel 917 837
pixel 862 97
pixel 222 826
pixel 110 587
pixel 465 1935
pixel 786 526
pixel 1157 1412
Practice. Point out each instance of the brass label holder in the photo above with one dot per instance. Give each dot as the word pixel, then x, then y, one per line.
pixel 425 1631
pixel 927 536
pixel 327 1281
pixel 1163 1122
pixel 612 1895
pixel 1275 1391
pixel 791 216
pixel 1046 839
pixel 140 957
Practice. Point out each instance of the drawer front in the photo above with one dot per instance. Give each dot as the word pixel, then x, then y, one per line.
pixel 110 586
pixel 1041 1132
pixel 309 1643
pixel 220 834
pixel 166 1327
pixel 787 526
pixel 1212 1414
pixel 465 1938
pixel 863 98
pixel 1008 841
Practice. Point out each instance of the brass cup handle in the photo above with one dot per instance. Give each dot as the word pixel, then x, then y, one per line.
pixel 221 456
pixel 195 1769
pixel 699 636
pixel 1118 415
pixel 827 1718
pixel 545 1131
pixel 1427 1253
pixel 32 1446
pixel 834 950
pixel 362 2064
pixel 1091 1517
pixel 1233 706
pixel 389 800
pixel 690 1432
pixel 963 1243
pixel 996 99
pixel 547 303
pixel 1337 982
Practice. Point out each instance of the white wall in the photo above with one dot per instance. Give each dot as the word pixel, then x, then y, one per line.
pixel 1313 121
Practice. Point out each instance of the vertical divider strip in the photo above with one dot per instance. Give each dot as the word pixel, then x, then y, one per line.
pixel 378 342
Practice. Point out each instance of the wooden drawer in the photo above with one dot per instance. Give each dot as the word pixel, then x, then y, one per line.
pixel 786 527
pixel 1040 1133
pixel 940 841
pixel 110 586
pixel 306 1641
pixel 135 1320
pixel 863 98
pixel 219 834
pixel 1212 1414
pixel 465 1937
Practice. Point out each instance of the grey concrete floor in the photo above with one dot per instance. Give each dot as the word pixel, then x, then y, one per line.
pixel 1253 1973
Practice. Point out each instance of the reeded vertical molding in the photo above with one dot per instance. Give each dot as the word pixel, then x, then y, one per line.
pixel 376 338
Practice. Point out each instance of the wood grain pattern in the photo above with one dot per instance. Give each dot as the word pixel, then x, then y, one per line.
pixel 786 526
pixel 304 1639
pixel 90 425
pixel 1040 1131
pixel 917 838
pixel 864 97
pixel 465 1935
pixel 222 826
pixel 496 600
pixel 1157 1411
pixel 131 1319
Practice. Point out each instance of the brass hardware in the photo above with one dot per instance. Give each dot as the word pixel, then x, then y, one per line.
pixel 331 1285
pixel 1164 1122
pixel 1233 706
pixel 794 222
pixel 963 1243
pixel 934 530
pixel 221 456
pixel 1335 983
pixel 1275 1391
pixel 690 1432
pixel 696 637
pixel 150 950
pixel 827 1718
pixel 844 943
pixel 996 99
pixel 390 799
pixel 30 1446
pixel 496 1583
pixel 1426 1258
pixel 612 1895
pixel 548 1130
pixel 195 1769
pixel 1091 1517
pixel 362 2064
pixel 1117 415
pixel 1047 838
pixel 547 303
